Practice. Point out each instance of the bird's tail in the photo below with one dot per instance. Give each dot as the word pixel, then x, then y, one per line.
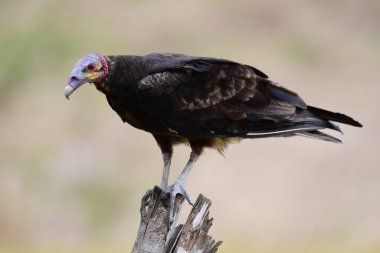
pixel 320 136
pixel 307 122
pixel 333 116
pixel 328 116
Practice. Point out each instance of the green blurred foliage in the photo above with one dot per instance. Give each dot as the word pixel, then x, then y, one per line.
pixel 34 48
pixel 303 50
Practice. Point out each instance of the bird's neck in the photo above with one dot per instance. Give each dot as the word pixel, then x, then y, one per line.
pixel 123 71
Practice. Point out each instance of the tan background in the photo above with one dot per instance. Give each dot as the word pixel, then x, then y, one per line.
pixel 72 175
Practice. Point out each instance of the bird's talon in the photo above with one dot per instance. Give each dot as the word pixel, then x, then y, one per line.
pixel 144 204
pixel 173 191
pixel 187 197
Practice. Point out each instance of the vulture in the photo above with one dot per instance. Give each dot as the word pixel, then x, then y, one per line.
pixel 200 101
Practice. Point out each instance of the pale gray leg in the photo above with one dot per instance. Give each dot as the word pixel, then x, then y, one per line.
pixel 179 184
pixel 181 179
pixel 167 157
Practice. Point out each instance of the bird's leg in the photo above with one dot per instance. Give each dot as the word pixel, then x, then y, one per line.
pixel 181 179
pixel 167 157
pixel 165 144
pixel 179 184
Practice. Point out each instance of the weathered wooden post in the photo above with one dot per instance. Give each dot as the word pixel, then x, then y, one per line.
pixel 155 235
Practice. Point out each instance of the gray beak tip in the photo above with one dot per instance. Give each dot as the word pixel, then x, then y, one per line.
pixel 68 91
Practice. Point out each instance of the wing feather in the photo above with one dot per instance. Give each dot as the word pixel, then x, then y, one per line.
pixel 203 96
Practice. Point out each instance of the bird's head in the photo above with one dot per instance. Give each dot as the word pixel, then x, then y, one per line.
pixel 92 68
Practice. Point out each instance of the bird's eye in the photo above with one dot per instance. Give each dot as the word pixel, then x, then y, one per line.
pixel 91 66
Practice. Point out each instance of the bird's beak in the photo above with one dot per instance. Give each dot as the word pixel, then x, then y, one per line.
pixel 68 91
pixel 72 84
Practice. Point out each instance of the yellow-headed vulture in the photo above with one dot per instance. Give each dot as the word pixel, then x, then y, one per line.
pixel 200 101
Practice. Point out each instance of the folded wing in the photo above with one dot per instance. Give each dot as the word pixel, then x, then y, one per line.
pixel 201 97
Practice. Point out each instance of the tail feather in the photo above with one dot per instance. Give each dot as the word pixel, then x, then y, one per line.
pixel 306 122
pixel 283 130
pixel 320 136
pixel 334 116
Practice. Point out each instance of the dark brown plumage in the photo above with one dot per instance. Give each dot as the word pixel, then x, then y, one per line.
pixel 195 100
pixel 204 102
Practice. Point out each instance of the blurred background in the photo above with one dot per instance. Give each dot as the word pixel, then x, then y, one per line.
pixel 72 175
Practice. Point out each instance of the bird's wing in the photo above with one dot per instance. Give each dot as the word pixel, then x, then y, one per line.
pixel 202 95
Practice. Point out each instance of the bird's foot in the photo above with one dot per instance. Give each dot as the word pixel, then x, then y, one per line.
pixel 168 197
pixel 173 190
pixel 145 202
